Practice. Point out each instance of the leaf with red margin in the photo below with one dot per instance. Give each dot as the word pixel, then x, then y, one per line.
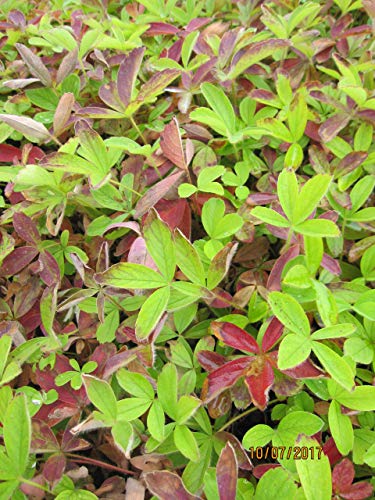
pixel 242 457
pixel 127 75
pixel 157 84
pixel 166 485
pixel 260 383
pixel 235 337
pixel 171 144
pixel 272 334
pixel 227 375
pixel 227 473
pixel 43 439
pixel 274 279
pixel 17 260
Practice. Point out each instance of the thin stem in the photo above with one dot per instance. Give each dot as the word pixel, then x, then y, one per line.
pixel 244 414
pixel 138 130
pixel 98 463
pixel 35 485
pixel 116 183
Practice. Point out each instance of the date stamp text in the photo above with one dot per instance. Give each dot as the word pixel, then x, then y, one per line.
pixel 280 452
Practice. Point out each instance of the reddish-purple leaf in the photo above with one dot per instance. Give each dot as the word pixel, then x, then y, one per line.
pixel 343 475
pixel 242 457
pixel 260 199
pixel 43 439
pixel 118 361
pixel 50 272
pixel 358 491
pixel 108 93
pixel 99 112
pixel 350 162
pixel 17 260
pixel 260 470
pixel 54 467
pixel 259 379
pixel 155 193
pixel 305 370
pixel 35 64
pixel 171 144
pixel 210 360
pixel 331 264
pixel 166 485
pixel 26 228
pixel 127 75
pixel 235 337
pixel 26 126
pixel 227 45
pixel 67 66
pixel 9 153
pixel 20 83
pixel 203 72
pixel 63 112
pixel 272 334
pixel 274 279
pixel 226 473
pixel 332 126
pixel 227 375
pixel 161 29
pixel 157 84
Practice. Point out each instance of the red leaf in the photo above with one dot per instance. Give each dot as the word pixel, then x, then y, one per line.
pixel 227 375
pixel 274 279
pixel 260 470
pixel 350 162
pixel 330 449
pixel 50 272
pixel 226 473
pixel 260 383
pixel 210 360
pixel 26 228
pixel 161 29
pixel 43 439
pixel 166 485
pixel 171 144
pixel 332 126
pixel 157 84
pixel 9 153
pixel 155 193
pixel 54 467
pixel 358 491
pixel 331 264
pixel 234 336
pixel 17 260
pixel 305 370
pixel 108 93
pixel 243 460
pixel 127 74
pixel 272 334
pixel 343 475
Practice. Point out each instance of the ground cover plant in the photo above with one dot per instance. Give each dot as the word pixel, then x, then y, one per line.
pixel 187 250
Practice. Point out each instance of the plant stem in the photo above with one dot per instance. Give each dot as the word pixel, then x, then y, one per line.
pixel 116 183
pixel 98 463
pixel 244 414
pixel 138 130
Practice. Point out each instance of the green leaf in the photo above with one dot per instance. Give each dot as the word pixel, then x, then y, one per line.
pixel 334 365
pixel 94 149
pixel 276 128
pixel 106 331
pixel 293 350
pixel 219 265
pixel 17 434
pixel 341 428
pixel 311 194
pixel 313 252
pixel 185 190
pixel 297 116
pixel 101 395
pixel 188 46
pixel 131 408
pixel 361 399
pixel 5 345
pixel 193 476
pixel 212 213
pixel 221 105
pixel 326 303
pixel 188 259
pixel 269 216
pixel 365 305
pixel 135 384
pixel 287 191
pixel 131 276
pixel 314 473
pixel 210 118
pixel 318 227
pixel 151 312
pixel 167 389
pixel 159 244
pixel 186 407
pixel 297 422
pixel 276 484
pixel 335 331
pixel 186 443
pixel 259 435
pixel 123 435
pixel 289 312
pixel 156 421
